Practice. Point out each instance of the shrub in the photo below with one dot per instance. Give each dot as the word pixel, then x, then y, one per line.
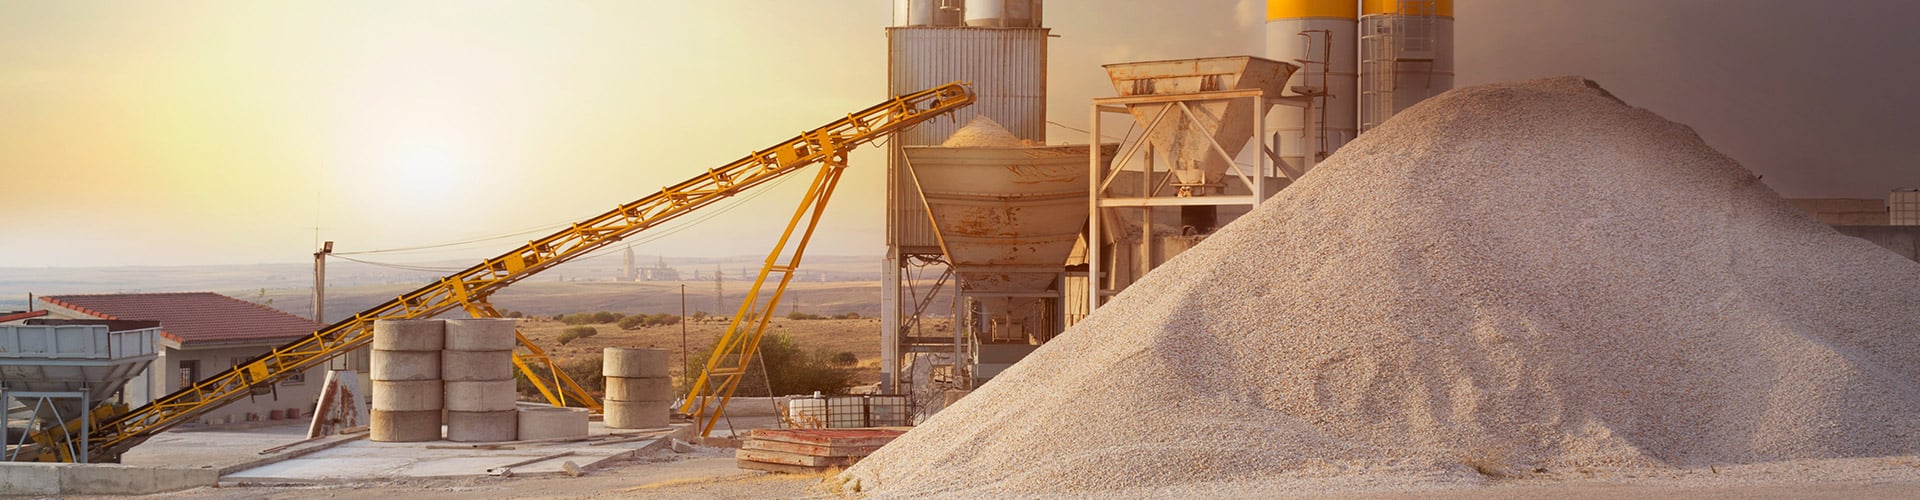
pixel 846 359
pixel 792 370
pixel 640 320
pixel 578 332
pixel 804 316
pixel 512 314
pixel 604 317
pixel 848 315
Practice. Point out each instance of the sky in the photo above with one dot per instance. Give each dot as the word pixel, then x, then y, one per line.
pixel 196 132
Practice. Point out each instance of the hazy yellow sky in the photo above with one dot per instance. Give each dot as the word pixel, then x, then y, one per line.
pixel 224 132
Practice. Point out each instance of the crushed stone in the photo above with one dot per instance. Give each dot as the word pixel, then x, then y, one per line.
pixel 1502 280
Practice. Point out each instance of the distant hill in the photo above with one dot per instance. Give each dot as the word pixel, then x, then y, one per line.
pixel 841 284
pixel 546 298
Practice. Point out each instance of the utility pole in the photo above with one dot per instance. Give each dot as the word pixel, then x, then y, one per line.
pixel 686 370
pixel 320 283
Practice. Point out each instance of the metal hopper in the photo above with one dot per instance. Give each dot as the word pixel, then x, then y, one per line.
pixel 71 364
pixel 1006 217
pixel 1187 132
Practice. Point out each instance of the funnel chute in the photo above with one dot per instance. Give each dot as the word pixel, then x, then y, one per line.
pixel 1188 131
pixel 1007 215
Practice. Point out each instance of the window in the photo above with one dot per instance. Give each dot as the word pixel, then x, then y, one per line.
pixel 297 378
pixel 189 372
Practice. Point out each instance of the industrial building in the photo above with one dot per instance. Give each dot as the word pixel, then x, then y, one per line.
pixel 1216 137
pixel 1020 237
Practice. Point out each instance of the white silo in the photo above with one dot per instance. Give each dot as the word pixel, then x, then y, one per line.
pixel 926 13
pixel 1406 55
pixel 1003 13
pixel 1321 37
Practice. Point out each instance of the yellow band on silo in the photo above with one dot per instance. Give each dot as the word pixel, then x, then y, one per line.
pixel 1443 8
pixel 1293 9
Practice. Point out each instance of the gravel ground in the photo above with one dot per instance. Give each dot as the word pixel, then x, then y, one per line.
pixel 1507 283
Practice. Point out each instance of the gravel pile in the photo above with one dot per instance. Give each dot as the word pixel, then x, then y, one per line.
pixel 982 132
pixel 1505 281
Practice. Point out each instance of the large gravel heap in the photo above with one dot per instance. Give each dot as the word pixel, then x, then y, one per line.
pixel 1505 280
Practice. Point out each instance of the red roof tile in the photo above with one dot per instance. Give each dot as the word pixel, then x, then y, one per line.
pixel 193 316
pixel 22 315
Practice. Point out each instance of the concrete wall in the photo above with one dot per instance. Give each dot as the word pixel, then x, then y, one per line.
pixel 98 479
pixel 286 394
pixel 1903 240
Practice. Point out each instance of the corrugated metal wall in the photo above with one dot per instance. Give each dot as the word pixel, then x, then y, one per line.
pixel 1008 69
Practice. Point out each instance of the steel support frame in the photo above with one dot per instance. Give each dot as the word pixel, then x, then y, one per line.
pixel 66 449
pixel 897 322
pixel 1098 178
pixel 707 397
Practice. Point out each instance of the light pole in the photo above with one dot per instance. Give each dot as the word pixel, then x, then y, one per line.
pixel 320 283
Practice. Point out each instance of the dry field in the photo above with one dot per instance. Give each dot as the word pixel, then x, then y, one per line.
pixel 858 336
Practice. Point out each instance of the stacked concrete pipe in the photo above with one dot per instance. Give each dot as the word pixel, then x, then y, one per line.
pixel 406 380
pixel 639 394
pixel 478 367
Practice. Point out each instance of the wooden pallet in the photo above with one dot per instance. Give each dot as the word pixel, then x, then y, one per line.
pixel 805 451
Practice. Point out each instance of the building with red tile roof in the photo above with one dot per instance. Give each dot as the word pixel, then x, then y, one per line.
pixel 202 333
pixel 193 318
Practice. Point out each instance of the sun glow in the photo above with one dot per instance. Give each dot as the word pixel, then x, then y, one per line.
pixel 427 173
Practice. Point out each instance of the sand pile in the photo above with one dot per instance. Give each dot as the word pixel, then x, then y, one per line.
pixel 982 132
pixel 1504 280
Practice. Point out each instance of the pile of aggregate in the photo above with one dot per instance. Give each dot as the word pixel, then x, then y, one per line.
pixel 1503 280
pixel 984 132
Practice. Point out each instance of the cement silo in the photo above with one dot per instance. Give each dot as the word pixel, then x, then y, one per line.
pixel 1005 59
pixel 1003 13
pixel 1321 37
pixel 1406 55
pixel 926 13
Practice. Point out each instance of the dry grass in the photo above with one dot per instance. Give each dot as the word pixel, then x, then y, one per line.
pixel 858 336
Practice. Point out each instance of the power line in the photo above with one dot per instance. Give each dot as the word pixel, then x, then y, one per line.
pixel 481 239
pixel 674 227
pixel 1085 131
pixel 403 267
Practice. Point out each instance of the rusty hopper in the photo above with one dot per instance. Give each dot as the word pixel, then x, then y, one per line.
pixel 1007 217
pixel 1182 135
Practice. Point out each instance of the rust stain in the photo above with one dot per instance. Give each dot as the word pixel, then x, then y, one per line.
pixel 988 222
